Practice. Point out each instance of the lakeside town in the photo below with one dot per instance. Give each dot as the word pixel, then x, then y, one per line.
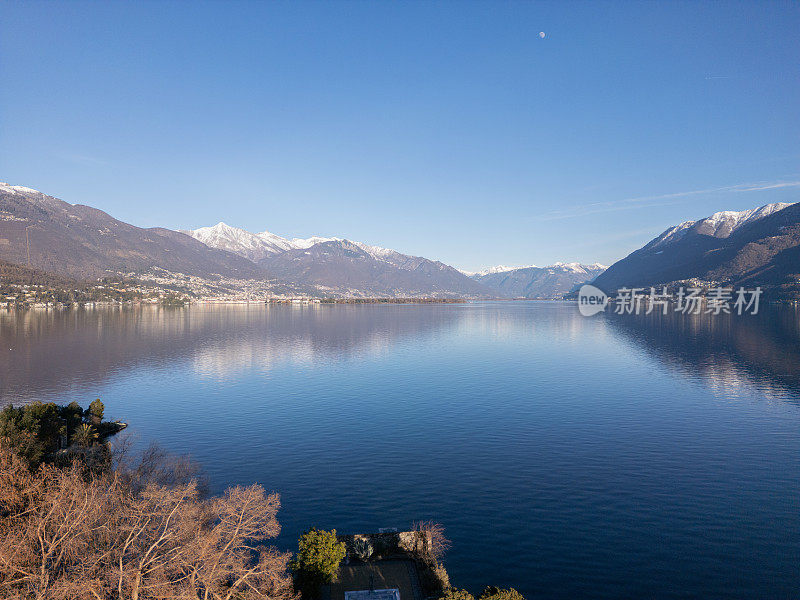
pixel 164 291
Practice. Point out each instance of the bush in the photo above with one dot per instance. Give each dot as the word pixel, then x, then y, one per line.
pixel 496 593
pixel 318 558
pixel 456 594
pixel 442 578
pixel 85 435
pixel 363 549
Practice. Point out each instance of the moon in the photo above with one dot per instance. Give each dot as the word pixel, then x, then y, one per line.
pixel 541 34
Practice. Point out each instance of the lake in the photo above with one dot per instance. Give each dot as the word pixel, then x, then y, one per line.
pixel 570 457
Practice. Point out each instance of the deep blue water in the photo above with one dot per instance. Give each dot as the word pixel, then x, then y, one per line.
pixel 569 457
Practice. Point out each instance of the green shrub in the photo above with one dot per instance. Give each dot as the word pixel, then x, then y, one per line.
pixel 85 435
pixel 318 558
pixel 363 549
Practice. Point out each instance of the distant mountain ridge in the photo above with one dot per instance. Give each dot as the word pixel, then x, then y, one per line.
pixel 760 246
pixel 342 265
pixel 719 225
pixel 251 246
pixel 552 282
pixel 496 269
pixel 83 242
pixel 258 246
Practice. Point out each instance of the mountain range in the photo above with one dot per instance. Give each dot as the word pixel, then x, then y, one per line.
pixel 760 246
pixel 756 247
pixel 82 242
pixel 48 235
pixel 532 282
pixel 342 267
pixel 340 264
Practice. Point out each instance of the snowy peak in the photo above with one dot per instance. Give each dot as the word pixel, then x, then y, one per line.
pixel 18 189
pixel 553 281
pixel 719 225
pixel 32 195
pixel 257 247
pixel 578 268
pixel 753 248
pixel 306 243
pixel 496 269
pixel 239 241
pixel 262 248
pixel 83 242
pixel 573 267
pixel 274 241
pixel 722 224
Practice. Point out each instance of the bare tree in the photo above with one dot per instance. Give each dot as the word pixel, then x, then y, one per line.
pixel 439 544
pixel 69 534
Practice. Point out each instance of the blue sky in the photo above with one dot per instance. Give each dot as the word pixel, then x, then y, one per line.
pixel 444 129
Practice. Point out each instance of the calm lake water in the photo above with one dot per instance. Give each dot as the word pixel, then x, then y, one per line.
pixel 570 457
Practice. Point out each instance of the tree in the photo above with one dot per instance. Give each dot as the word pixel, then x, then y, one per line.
pixel 318 558
pixel 96 410
pixel 72 413
pixel 66 533
pixel 37 431
pixel 34 430
pixel 434 532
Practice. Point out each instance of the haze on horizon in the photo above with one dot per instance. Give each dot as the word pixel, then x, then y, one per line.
pixel 449 130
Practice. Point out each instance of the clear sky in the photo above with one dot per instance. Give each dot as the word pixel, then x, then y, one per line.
pixel 450 130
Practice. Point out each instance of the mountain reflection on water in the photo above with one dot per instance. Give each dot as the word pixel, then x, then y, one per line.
pixel 728 351
pixel 45 351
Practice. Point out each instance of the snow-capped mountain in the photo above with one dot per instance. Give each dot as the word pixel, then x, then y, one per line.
pixel 79 241
pixel 342 265
pixel 304 243
pixel 275 242
pixel 591 270
pixel 553 281
pixel 251 246
pixel 578 268
pixel 259 246
pixel 760 245
pixel 719 225
pixel 496 269
pixel 19 189
pixel 337 263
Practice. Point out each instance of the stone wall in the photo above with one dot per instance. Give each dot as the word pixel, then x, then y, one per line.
pixel 378 546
